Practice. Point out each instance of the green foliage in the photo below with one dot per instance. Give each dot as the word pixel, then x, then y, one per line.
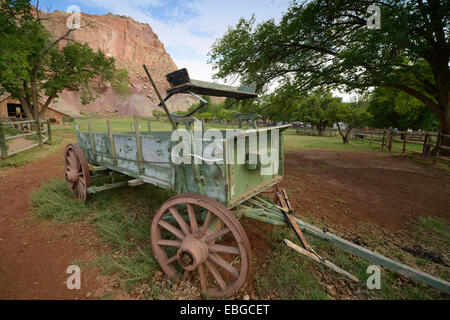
pixel 316 109
pixel 327 44
pixel 158 114
pixel 34 66
pixel 225 114
pixel 205 116
pixel 392 108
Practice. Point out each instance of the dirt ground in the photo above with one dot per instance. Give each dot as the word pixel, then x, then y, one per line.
pixel 34 256
pixel 347 188
pixel 340 188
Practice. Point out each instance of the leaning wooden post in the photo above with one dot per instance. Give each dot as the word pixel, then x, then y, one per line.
pixel 49 131
pixel 438 147
pixel 405 136
pixel 3 145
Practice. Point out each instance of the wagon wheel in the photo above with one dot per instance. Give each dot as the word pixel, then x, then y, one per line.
pixel 77 171
pixel 220 259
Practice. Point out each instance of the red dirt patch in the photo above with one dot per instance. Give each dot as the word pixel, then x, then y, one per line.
pixel 347 188
pixel 34 256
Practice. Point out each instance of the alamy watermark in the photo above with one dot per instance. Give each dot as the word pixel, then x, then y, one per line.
pixel 374 20
pixel 374 280
pixel 73 22
pixel 198 146
pixel 74 280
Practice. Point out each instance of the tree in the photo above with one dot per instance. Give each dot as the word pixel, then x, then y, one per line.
pixel 324 43
pixel 205 116
pixel 393 108
pixel 315 109
pixel 158 114
pixel 225 115
pixel 348 116
pixel 35 70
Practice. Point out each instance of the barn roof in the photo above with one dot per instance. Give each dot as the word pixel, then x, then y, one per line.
pixel 4 95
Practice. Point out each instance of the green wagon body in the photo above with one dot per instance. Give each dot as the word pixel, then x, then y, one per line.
pixel 147 156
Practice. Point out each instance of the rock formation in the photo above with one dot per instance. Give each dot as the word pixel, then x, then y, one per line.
pixel 132 44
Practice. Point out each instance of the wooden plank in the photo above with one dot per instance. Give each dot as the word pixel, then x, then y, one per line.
pixel 91 136
pixel 21 135
pixel 111 139
pixel 315 258
pixel 375 257
pixel 138 139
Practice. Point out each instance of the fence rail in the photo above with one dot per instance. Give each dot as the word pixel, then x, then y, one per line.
pixel 314 132
pixel 29 127
pixel 406 140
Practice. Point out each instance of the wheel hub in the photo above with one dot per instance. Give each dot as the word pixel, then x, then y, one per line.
pixel 192 253
pixel 72 176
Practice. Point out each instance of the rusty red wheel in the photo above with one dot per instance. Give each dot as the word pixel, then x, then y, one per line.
pixel 195 237
pixel 78 176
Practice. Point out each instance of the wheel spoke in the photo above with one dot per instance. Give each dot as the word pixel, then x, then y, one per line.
pixel 221 262
pixel 216 275
pixel 79 191
pixel 206 223
pixel 171 260
pixel 180 220
pixel 192 221
pixel 177 232
pixel 217 235
pixel 185 275
pixel 224 249
pixel 170 243
pixel 202 276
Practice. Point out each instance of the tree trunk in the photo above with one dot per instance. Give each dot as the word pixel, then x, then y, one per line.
pixel 445 129
pixel 26 108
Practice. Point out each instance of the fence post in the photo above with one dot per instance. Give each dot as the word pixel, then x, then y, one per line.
pixel 425 150
pixel 49 131
pixel 405 134
pixel 384 137
pixel 3 145
pixel 438 147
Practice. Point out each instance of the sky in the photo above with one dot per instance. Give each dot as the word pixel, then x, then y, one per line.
pixel 186 28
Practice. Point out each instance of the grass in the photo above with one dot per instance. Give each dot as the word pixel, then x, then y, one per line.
pixel 286 274
pixel 122 219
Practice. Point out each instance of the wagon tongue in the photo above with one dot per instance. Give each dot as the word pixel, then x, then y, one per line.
pixel 306 250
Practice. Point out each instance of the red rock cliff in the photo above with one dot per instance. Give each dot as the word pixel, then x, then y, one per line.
pixel 132 44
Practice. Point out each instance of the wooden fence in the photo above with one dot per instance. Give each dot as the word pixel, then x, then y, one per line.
pixel 314 132
pixel 28 127
pixel 405 142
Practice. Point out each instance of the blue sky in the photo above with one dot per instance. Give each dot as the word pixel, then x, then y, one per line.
pixel 187 28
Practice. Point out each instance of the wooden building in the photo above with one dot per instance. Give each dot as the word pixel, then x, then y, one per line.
pixel 11 108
